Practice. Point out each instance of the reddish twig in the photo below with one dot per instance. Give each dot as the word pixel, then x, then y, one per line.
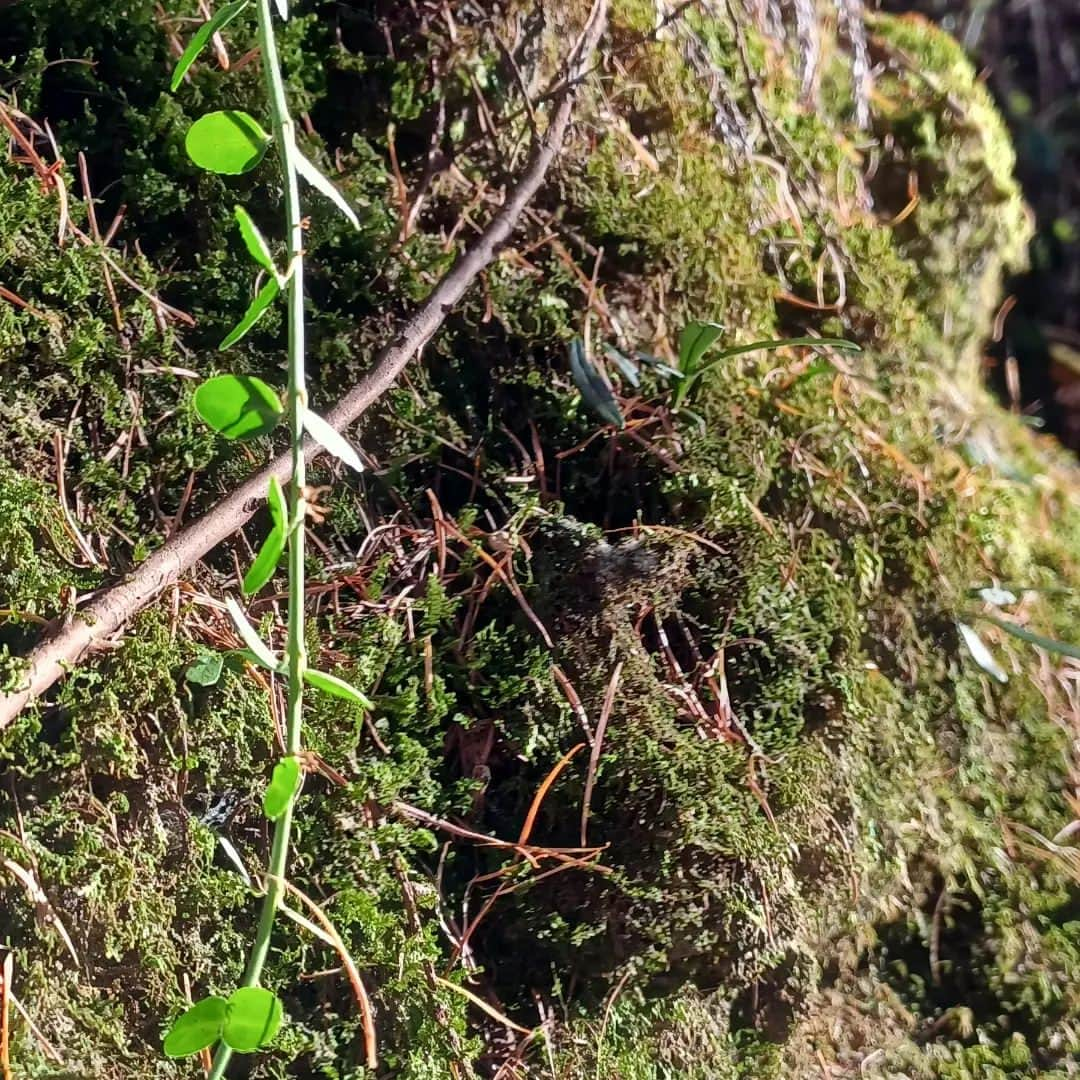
pixel 598 743
pixel 545 787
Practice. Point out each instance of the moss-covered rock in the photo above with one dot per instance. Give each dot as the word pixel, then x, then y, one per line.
pixel 814 827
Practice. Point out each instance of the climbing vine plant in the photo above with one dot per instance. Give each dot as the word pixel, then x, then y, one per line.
pixel 244 407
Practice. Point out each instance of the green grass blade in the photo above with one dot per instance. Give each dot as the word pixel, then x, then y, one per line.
pixel 1061 648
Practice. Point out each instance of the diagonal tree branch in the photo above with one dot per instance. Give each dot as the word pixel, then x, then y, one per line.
pixel 65 645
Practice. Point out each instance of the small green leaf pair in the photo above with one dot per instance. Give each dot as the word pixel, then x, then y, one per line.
pixel 259 250
pixel 244 407
pixel 246 1020
pixel 261 653
pixel 231 142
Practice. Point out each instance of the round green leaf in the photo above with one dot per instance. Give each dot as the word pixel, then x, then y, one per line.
pixel 282 788
pixel 252 1020
pixel 205 670
pixel 196 1029
pixel 229 142
pixel 238 406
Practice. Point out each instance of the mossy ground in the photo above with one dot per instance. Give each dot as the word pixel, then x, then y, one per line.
pixel 814 832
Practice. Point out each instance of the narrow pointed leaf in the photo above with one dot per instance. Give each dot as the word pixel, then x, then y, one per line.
pixel 266 296
pixel 238 406
pixel 196 1029
pixel 666 370
pixel 228 142
pixel 262 569
pixel 250 657
pixel 250 636
pixel 234 857
pixel 627 368
pixel 594 387
pixel 321 184
pixel 332 440
pixel 696 338
pixel 253 241
pixel 220 19
pixel 283 786
pixel 279 509
pixel 980 653
pixel 273 547
pixel 754 346
pixel 282 8
pixel 691 376
pixel 996 596
pixel 252 1020
pixel 331 684
pixel 1061 648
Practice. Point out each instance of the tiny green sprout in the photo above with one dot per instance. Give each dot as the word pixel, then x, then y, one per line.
pixel 238 406
pixel 229 141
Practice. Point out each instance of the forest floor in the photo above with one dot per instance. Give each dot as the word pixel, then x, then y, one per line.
pixel 726 705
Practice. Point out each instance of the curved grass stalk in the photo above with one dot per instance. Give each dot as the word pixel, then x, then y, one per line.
pixel 296 401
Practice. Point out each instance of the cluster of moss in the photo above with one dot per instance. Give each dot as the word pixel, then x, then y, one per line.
pixel 818 537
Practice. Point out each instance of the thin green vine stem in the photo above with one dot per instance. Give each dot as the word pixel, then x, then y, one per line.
pixel 296 402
